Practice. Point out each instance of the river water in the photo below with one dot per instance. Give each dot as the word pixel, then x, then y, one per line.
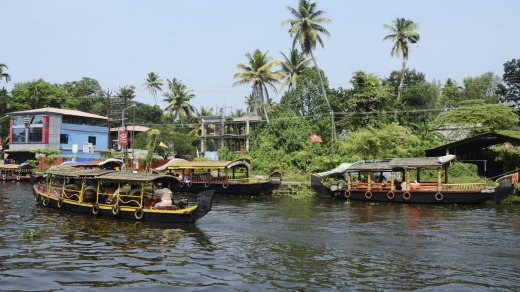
pixel 263 243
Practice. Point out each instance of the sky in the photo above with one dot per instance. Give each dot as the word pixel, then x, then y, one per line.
pixel 201 42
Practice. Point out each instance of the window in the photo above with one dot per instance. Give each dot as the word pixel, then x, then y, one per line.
pixel 64 138
pixel 18 121
pixel 35 135
pixel 37 120
pixel 18 135
pixel 92 139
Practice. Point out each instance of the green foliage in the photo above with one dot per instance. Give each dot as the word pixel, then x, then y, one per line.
pixel 305 98
pixel 388 141
pixel 510 90
pixel 45 152
pixel 366 102
pixel 225 154
pixel 153 136
pixel 483 87
pixel 281 143
pixel 30 234
pixel 37 94
pixel 460 172
pixel 478 118
pixel 509 156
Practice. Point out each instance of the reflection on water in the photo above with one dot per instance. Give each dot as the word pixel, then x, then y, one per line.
pixel 259 243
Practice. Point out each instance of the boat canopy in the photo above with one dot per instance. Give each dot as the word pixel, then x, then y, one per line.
pixel 390 164
pixel 177 164
pixel 108 163
pixel 106 174
pixel 24 165
pixel 338 170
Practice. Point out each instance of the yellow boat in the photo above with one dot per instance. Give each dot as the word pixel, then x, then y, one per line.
pixel 102 192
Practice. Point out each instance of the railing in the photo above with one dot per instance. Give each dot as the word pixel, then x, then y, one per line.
pixel 463 187
pixel 244 180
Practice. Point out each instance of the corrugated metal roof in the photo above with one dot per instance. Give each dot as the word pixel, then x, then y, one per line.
pixel 131 128
pixel 59 111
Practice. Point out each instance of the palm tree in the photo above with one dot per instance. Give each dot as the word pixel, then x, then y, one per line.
pixel 178 100
pixel 153 84
pixel 202 112
pixel 4 75
pixel 258 72
pixel 306 29
pixel 293 67
pixel 403 31
pixel 251 104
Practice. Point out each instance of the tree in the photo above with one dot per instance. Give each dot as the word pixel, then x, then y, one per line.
pixel 403 31
pixel 257 71
pixel 451 94
pixel 281 143
pixel 366 101
pixel 153 139
pixel 4 75
pixel 293 67
pixel 305 99
pixel 511 90
pixel 475 117
pixel 251 103
pixel 484 87
pixel 178 100
pixel 37 94
pixel 84 95
pixel 153 84
pixel 386 141
pixel 306 29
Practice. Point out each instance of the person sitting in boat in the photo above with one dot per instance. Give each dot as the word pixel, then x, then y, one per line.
pixel 166 198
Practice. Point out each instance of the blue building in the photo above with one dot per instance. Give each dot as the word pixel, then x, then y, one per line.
pixel 73 132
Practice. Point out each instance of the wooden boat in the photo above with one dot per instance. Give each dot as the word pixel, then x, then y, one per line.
pixel 102 192
pixel 224 177
pixel 407 180
pixel 16 172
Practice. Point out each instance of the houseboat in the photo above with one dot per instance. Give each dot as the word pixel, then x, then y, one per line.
pixel 407 180
pixel 224 177
pixel 17 172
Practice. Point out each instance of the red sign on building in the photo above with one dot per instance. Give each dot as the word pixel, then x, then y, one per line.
pixel 123 138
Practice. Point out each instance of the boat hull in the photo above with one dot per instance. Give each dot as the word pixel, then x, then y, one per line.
pixel 188 215
pixel 24 178
pixel 260 188
pixel 399 196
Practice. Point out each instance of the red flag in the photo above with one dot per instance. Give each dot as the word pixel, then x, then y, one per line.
pixel 315 138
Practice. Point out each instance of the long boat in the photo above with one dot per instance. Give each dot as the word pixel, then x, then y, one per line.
pixel 407 180
pixel 16 172
pixel 104 192
pixel 224 177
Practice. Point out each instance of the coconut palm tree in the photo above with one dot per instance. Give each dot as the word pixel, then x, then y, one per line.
pixel 251 104
pixel 257 71
pixel 202 112
pixel 293 66
pixel 306 29
pixel 403 32
pixel 4 75
pixel 153 84
pixel 178 100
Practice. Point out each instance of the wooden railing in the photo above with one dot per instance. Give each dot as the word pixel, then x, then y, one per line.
pixel 463 187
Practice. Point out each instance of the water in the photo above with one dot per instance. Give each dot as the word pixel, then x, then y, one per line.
pixel 263 243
